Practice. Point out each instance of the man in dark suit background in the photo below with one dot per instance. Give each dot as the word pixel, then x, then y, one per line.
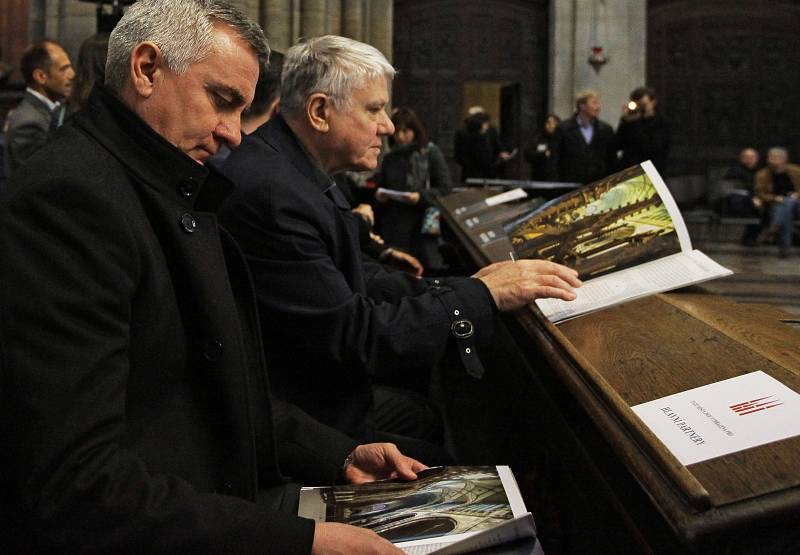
pixel 48 75
pixel 583 146
pixel 334 323
pixel 136 414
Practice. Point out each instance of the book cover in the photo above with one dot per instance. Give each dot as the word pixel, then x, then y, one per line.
pixel 443 506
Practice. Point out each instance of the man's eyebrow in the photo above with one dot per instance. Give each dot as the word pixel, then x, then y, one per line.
pixel 235 94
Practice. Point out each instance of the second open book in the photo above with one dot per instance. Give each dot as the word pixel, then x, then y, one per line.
pixel 623 234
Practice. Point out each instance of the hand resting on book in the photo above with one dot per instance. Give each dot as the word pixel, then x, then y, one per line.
pixel 514 284
pixel 379 461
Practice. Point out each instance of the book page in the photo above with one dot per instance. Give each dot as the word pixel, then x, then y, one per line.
pixel 660 275
pixel 670 204
pixel 618 222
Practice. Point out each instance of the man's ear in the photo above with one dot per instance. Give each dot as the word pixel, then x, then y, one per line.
pixel 318 111
pixel 146 62
pixel 39 76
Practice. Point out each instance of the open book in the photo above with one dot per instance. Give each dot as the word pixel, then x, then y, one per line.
pixel 447 510
pixel 623 234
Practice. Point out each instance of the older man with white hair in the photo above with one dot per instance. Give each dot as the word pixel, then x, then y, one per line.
pixel 778 188
pixel 136 414
pixel 335 324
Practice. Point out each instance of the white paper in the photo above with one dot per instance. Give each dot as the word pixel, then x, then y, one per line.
pixel 657 276
pixel 723 417
pixel 508 196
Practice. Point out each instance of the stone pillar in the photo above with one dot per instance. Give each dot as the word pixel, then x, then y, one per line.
pixel 619 27
pixel 312 18
pixel 277 23
pixel 353 19
pixel 333 23
pixel 68 23
pixel 380 26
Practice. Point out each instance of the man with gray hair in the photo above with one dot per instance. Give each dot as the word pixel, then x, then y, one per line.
pixel 136 414
pixel 778 188
pixel 334 323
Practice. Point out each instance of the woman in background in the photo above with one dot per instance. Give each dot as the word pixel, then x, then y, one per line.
pixel 90 68
pixel 416 170
pixel 537 153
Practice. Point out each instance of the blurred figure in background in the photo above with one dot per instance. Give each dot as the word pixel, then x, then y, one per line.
pixel 778 187
pixel 90 68
pixel 643 133
pixel 537 153
pixel 477 147
pixel 583 146
pixel 742 201
pixel 48 76
pixel 415 166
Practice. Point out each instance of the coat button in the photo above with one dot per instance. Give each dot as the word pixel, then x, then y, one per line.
pixel 212 350
pixel 462 329
pixel 188 223
pixel 188 187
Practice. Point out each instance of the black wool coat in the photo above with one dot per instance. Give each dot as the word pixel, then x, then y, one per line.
pixel 331 320
pixel 137 410
pixel 572 160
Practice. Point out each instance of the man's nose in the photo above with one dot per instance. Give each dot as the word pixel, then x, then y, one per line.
pixel 230 131
pixel 386 127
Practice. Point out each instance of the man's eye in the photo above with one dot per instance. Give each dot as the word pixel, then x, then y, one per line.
pixel 222 102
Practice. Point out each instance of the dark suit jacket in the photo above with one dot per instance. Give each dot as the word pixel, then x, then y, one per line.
pixel 327 327
pixel 27 127
pixel 135 389
pixel 572 160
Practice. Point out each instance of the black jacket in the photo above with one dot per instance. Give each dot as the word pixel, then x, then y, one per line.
pixel 135 389
pixel 644 139
pixel 572 160
pixel 330 319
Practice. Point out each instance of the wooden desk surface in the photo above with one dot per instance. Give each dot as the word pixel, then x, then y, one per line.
pixel 654 347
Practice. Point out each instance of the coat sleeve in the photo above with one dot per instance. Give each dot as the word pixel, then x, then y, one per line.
pixel 69 272
pixel 291 239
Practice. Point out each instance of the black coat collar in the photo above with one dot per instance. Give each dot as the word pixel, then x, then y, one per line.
pixel 277 133
pixel 149 156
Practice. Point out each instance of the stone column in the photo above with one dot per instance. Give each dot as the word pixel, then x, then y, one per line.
pixel 619 27
pixel 312 18
pixel 333 23
pixel 380 26
pixel 353 19
pixel 277 23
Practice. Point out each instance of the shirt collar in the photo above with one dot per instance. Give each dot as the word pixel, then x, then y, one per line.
pixel 49 103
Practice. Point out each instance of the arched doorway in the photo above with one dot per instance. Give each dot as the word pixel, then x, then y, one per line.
pixel 454 54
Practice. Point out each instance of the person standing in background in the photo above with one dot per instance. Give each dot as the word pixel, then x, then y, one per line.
pixel 583 146
pixel 643 133
pixel 48 76
pixel 537 153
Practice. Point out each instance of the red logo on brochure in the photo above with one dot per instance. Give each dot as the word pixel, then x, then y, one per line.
pixel 749 407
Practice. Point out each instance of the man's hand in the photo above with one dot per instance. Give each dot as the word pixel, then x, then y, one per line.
pixel 778 198
pixel 379 461
pixel 517 284
pixel 404 261
pixel 365 211
pixel 331 538
pixel 757 202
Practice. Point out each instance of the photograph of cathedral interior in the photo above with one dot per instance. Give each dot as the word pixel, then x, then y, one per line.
pixel 232 264
pixel 613 224
pixel 454 501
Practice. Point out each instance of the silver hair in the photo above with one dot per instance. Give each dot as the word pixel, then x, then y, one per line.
pixel 182 29
pixel 778 150
pixel 333 65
